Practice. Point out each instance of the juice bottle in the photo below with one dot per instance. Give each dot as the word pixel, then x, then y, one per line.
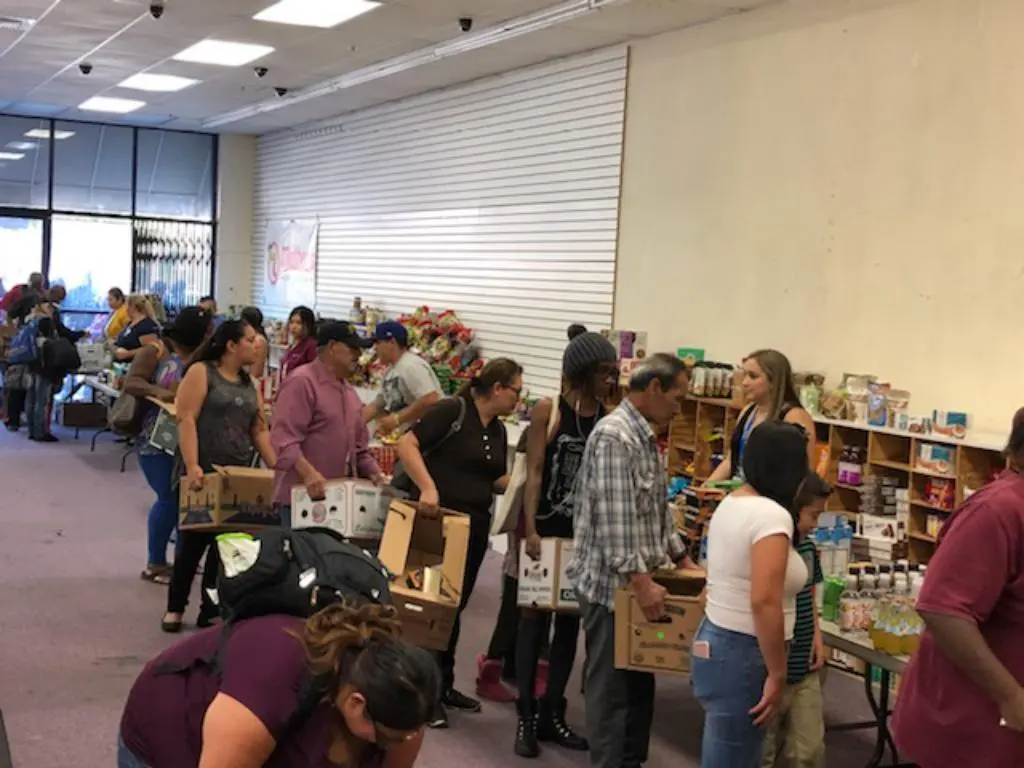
pixel 877 630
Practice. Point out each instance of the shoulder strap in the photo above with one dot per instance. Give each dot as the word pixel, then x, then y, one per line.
pixel 553 417
pixel 455 427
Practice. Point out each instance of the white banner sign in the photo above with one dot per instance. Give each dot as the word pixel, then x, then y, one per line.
pixel 289 275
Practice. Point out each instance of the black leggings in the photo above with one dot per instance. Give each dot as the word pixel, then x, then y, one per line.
pixel 191 546
pixel 534 628
pixel 503 641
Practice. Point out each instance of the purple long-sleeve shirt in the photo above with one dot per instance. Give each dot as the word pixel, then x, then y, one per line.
pixel 321 418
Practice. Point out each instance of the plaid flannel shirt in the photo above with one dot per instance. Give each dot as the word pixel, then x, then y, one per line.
pixel 622 522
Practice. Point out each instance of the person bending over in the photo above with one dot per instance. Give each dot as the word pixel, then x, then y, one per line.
pixel 377 694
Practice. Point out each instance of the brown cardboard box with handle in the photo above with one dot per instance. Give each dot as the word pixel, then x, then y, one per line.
pixel 659 646
pixel 428 558
pixel 231 499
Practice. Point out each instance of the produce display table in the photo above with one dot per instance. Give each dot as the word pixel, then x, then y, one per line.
pixel 861 648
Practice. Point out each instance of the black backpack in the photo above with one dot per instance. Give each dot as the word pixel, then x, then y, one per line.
pixel 296 573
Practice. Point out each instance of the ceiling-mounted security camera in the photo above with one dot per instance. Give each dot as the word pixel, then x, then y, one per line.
pixel 156 9
pixel 85 67
pixel 280 91
pixel 465 23
pixel 260 71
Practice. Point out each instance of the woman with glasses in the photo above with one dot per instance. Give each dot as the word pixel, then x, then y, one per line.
pixel 456 456
pixel 377 693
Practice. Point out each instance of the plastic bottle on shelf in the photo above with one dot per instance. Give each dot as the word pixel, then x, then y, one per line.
pixel 849 602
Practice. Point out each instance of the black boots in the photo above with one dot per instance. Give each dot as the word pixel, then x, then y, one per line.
pixel 551 727
pixel 544 721
pixel 526 729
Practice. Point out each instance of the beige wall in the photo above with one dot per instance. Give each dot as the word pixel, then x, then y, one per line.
pixel 236 170
pixel 845 186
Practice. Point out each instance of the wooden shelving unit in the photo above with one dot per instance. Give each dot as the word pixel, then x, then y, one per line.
pixel 704 427
pixel 699 433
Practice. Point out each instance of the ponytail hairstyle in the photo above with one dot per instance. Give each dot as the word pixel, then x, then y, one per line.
pixel 141 303
pixel 501 370
pixel 254 317
pixel 215 347
pixel 359 646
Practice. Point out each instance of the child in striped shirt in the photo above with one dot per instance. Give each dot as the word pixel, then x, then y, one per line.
pixel 796 738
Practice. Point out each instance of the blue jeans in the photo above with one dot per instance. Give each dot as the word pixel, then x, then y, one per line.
pixel 163 515
pixel 126 759
pixel 37 406
pixel 728 685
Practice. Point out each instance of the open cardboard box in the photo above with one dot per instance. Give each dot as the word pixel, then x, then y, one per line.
pixel 232 498
pixel 412 542
pixel 543 584
pixel 662 646
pixel 351 507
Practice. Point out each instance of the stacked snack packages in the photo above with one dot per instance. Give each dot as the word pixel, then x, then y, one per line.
pixel 879 601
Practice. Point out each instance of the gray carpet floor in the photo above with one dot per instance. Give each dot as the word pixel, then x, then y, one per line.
pixel 77 623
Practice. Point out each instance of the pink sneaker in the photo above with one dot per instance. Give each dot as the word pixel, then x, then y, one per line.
pixel 541 686
pixel 488 681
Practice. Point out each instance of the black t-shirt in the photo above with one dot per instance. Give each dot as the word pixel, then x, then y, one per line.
pixel 466 465
pixel 131 337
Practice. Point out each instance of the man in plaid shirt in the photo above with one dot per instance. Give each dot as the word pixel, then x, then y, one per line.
pixel 623 532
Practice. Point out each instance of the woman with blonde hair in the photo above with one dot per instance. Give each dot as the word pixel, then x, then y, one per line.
pixel 768 389
pixel 373 694
pixel 142 328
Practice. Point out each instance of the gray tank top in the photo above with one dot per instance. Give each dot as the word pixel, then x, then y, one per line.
pixel 225 422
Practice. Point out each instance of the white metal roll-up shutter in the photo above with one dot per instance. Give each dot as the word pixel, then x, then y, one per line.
pixel 497 199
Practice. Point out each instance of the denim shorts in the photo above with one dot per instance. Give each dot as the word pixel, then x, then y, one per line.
pixel 728 684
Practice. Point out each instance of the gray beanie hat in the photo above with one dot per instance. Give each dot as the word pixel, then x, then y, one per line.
pixel 585 350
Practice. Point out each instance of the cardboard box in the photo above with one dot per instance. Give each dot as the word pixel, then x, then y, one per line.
pixel 542 583
pixel 165 430
pixel 662 646
pixel 411 543
pixel 353 508
pixel 232 498
pixel 83 415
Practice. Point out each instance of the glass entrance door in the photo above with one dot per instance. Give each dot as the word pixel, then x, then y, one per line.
pixel 21 250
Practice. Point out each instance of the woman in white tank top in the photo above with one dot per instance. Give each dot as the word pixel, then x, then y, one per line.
pixel 753 577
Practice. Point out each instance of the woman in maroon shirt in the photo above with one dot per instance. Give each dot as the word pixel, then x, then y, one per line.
pixel 962 699
pixel 302 330
pixel 380 693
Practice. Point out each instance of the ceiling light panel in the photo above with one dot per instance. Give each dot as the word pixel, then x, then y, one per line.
pixel 24 146
pixel 11 155
pixel 145 81
pixel 43 133
pixel 315 13
pixel 223 53
pixel 111 104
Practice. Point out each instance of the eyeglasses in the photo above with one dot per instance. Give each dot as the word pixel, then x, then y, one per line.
pixel 517 390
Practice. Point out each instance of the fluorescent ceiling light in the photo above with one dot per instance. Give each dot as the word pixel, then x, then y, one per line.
pixel 145 81
pixel 16 23
pixel 11 155
pixel 223 53
pixel 43 133
pixel 315 13
pixel 24 146
pixel 111 104
pixel 568 10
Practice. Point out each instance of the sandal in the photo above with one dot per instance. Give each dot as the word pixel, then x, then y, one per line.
pixel 157 575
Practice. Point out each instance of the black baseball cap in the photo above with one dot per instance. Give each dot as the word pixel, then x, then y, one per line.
pixel 343 333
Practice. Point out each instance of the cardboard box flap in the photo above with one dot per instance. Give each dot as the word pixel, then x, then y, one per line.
pixel 682 582
pixel 244 473
pixel 412 541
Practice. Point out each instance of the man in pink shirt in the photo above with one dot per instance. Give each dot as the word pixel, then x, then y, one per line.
pixel 318 432
pixel 962 700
